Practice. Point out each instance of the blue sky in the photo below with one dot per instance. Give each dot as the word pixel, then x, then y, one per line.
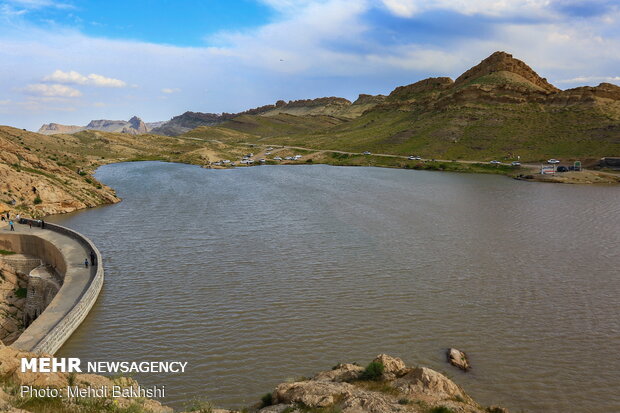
pixel 70 61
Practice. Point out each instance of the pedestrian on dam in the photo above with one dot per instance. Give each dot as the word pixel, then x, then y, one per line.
pixel 92 258
pixel 11 225
pixel 42 224
pixel 86 263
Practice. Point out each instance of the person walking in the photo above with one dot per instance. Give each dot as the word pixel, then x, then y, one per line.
pixel 11 225
pixel 86 263
pixel 42 224
pixel 92 258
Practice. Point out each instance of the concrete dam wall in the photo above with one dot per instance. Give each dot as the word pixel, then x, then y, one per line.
pixel 62 251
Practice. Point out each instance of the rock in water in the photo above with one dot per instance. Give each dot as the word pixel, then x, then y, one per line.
pixel 458 358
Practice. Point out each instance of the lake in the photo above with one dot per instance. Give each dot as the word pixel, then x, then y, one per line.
pixel 258 275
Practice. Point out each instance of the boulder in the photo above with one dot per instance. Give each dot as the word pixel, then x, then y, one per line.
pixel 422 380
pixel 312 393
pixel 342 372
pixel 393 366
pixel 458 358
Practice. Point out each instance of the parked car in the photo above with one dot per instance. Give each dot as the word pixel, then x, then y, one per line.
pixel 553 161
pixel 366 153
pixel 515 163
pixel 277 158
pixel 414 158
pixel 495 162
pixel 561 169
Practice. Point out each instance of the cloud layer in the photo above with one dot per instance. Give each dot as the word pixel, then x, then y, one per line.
pixel 310 49
pixel 73 77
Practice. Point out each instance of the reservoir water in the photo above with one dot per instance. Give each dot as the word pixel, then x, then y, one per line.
pixel 258 275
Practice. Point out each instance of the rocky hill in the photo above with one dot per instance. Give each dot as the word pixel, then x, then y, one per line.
pixel 33 181
pixel 133 126
pixel 499 109
pixel 326 106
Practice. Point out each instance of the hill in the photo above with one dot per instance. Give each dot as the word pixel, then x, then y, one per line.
pixel 326 106
pixel 133 126
pixel 500 108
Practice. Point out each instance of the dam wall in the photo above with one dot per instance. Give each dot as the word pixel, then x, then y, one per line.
pixel 63 251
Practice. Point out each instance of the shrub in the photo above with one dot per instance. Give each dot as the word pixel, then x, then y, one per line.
pixel 200 406
pixel 21 293
pixel 441 409
pixel 373 371
pixel 37 200
pixel 267 400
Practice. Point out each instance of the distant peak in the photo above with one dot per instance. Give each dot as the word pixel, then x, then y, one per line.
pixel 502 61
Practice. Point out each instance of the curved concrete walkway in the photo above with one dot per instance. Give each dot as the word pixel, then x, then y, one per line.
pixel 77 280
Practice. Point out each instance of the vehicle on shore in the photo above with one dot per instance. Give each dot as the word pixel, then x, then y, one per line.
pixel 515 163
pixel 553 161
pixel 366 153
pixel 495 162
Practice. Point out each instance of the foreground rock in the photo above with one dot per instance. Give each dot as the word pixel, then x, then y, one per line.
pixel 398 388
pixel 458 359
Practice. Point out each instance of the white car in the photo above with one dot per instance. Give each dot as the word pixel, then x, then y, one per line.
pixel 553 161
pixel 366 153
pixel 277 158
pixel 515 163
pixel 495 162
pixel 414 158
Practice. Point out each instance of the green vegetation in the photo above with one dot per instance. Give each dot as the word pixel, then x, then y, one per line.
pixel 5 252
pixel 21 292
pixel 374 371
pixel 200 406
pixel 441 409
pixel 37 200
pixel 266 400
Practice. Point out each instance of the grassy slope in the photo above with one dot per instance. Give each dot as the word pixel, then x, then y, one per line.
pixel 473 132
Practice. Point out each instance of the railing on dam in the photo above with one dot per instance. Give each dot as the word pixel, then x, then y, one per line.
pixel 53 329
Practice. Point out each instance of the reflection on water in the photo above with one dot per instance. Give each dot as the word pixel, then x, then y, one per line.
pixel 261 274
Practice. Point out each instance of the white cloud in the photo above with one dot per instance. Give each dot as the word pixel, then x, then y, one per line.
pixel 310 49
pixel 590 79
pixel 170 91
pixel 409 8
pixel 42 89
pixel 73 77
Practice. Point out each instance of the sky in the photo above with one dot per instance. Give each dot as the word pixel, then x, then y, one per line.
pixel 71 61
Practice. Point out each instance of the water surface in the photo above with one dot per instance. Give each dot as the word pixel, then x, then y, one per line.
pixel 263 274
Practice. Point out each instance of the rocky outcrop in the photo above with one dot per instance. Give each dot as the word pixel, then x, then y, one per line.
pixel 502 61
pixel 190 120
pixel 38 185
pixel 458 359
pixel 12 302
pixel 53 128
pixel 134 126
pixel 433 84
pixel 401 388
